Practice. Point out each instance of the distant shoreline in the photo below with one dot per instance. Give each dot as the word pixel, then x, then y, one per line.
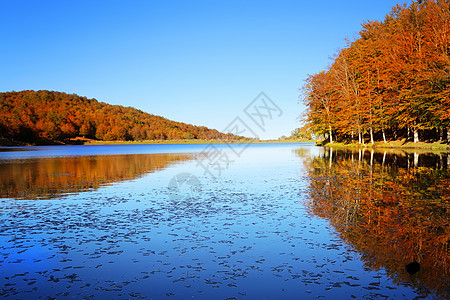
pixel 156 142
pixel 436 146
pixel 152 142
pixel 401 144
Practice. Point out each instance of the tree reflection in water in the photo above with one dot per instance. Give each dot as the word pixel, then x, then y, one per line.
pixel 52 177
pixel 393 208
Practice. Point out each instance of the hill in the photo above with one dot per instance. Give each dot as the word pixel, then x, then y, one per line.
pixel 48 117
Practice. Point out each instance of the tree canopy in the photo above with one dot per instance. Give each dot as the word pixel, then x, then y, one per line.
pixel 392 80
pixel 54 117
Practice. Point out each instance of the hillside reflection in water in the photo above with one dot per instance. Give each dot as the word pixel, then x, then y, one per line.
pixel 52 177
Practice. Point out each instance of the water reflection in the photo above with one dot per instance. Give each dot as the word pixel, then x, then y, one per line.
pixel 393 208
pixel 46 178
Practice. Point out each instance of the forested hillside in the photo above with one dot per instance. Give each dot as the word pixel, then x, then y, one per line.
pixel 392 82
pixel 52 117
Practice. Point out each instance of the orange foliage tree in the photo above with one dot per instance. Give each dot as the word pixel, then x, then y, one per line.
pixel 392 81
pixel 54 117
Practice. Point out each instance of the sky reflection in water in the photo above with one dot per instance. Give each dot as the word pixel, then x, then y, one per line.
pixel 259 231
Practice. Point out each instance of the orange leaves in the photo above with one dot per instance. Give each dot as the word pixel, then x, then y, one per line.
pixel 49 117
pixel 396 75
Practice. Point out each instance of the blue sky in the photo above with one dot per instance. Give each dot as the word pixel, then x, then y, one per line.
pixel 198 61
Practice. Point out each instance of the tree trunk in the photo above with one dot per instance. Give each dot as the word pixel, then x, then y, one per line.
pixel 384 135
pixel 448 135
pixel 441 134
pixel 359 135
pixel 416 135
pixel 371 135
pixel 331 135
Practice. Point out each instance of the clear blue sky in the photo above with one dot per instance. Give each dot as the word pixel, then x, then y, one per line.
pixel 197 61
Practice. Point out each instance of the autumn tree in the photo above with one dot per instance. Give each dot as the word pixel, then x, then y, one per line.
pixel 53 117
pixel 393 79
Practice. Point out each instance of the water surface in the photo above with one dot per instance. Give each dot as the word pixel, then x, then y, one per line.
pixel 278 220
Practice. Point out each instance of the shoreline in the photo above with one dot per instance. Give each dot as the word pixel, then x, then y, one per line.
pixel 156 142
pixel 153 142
pixel 401 144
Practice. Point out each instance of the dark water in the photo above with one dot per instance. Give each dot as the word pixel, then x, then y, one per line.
pixel 196 221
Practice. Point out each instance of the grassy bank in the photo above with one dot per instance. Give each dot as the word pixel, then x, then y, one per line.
pixel 401 144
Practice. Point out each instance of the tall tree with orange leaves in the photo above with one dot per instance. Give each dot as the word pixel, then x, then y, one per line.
pixel 391 82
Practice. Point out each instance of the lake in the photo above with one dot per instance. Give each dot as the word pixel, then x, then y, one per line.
pixel 218 221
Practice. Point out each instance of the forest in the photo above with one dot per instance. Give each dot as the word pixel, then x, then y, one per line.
pixel 390 83
pixel 48 117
